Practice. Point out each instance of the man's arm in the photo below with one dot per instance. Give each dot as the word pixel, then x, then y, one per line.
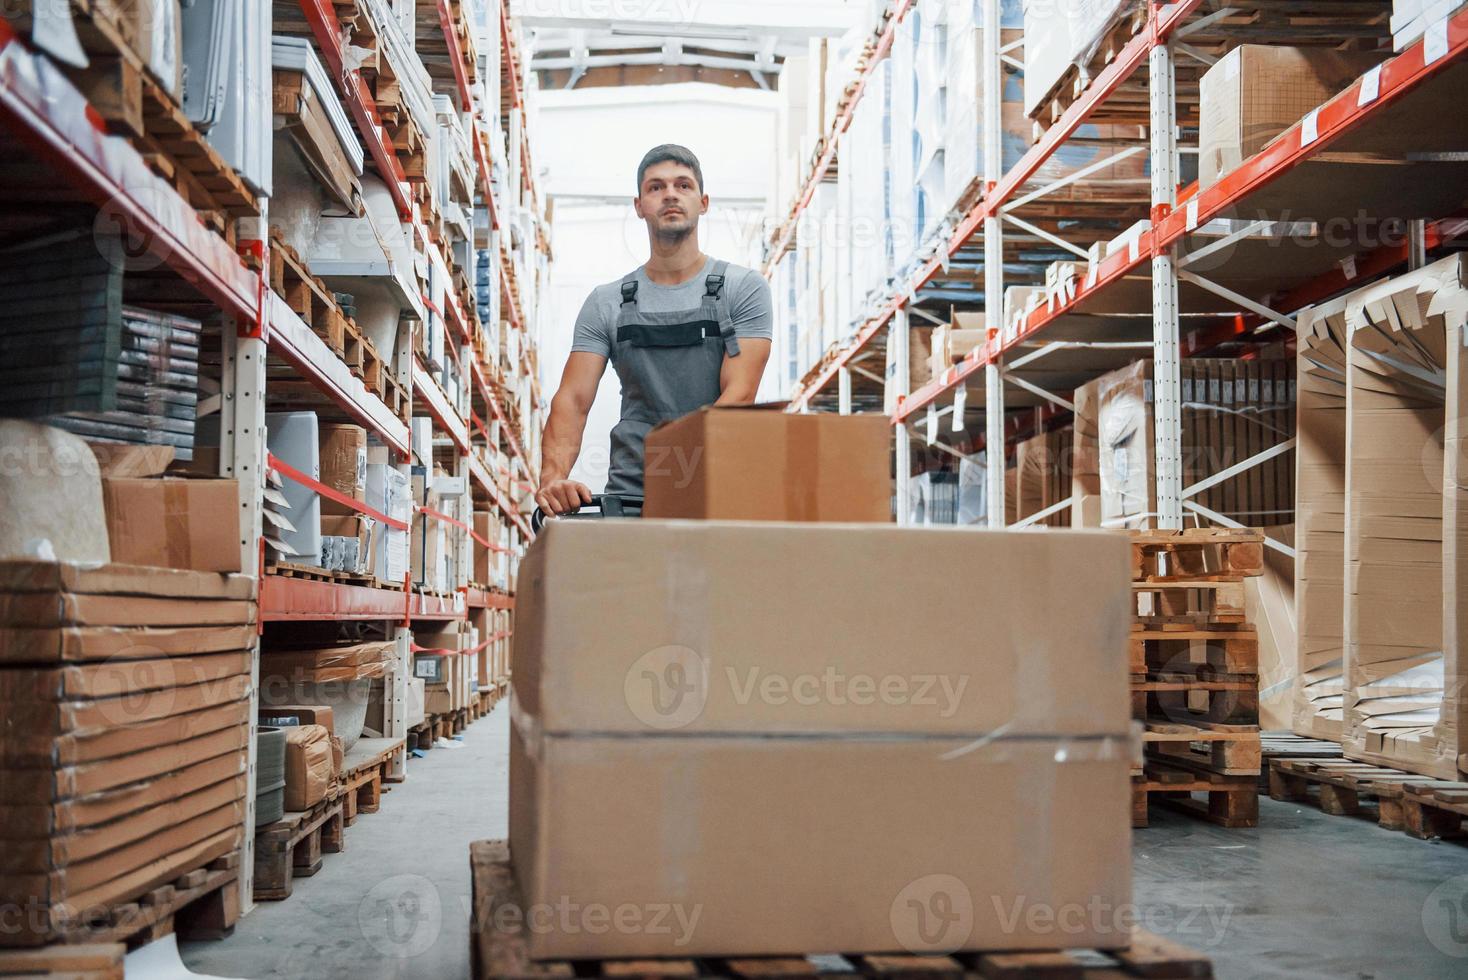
pixel 753 315
pixel 561 443
pixel 739 377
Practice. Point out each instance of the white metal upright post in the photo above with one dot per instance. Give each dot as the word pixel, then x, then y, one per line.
pixel 242 458
pixel 1166 369
pixel 901 380
pixel 991 72
pixel 843 388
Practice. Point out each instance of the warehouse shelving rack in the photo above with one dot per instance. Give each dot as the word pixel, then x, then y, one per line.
pixel 1140 297
pixel 73 161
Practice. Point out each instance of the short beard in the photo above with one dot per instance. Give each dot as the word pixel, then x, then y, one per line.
pixel 673 236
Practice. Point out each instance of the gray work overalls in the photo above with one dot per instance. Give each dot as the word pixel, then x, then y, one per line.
pixel 669 366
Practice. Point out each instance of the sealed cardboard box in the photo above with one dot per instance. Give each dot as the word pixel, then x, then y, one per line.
pixel 174 523
pixel 696 733
pixel 759 464
pixel 1257 91
pixel 309 764
pixel 343 464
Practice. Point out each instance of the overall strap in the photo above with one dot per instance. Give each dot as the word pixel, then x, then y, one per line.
pixel 713 298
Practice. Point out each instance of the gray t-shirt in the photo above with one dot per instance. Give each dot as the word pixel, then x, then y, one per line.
pixel 747 292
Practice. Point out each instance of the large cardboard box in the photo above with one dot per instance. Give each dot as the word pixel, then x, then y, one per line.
pixel 1257 91
pixel 703 692
pixel 758 464
pixel 309 768
pixel 174 523
pixel 343 464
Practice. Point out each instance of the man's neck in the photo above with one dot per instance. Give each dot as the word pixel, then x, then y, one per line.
pixel 672 263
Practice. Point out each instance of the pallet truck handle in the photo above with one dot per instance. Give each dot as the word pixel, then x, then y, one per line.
pixel 605 504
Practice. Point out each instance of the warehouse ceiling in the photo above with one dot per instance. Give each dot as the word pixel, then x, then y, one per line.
pixel 599 43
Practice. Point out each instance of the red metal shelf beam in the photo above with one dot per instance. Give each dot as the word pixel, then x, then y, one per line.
pixel 284 599
pixel 489 599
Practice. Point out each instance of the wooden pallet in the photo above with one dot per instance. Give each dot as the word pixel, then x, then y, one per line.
pixel 498 950
pixel 203 903
pixel 1230 750
pixel 1198 698
pixel 130 101
pixel 1288 745
pixel 1189 604
pixel 1341 787
pixel 1230 648
pixel 307 296
pixel 287 569
pixel 78 961
pixel 365 769
pixel 1435 809
pixel 1229 801
pixel 1073 82
pixel 292 846
pixel 1197 553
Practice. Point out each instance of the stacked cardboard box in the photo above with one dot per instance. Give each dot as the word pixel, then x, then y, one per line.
pixel 1042 476
pixel 1406 510
pixel 1257 91
pixel 447 666
pixel 492 659
pixel 654 708
pixel 348 536
pixel 1231 411
pixel 125 695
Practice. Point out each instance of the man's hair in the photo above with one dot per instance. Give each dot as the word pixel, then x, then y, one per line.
pixel 670 152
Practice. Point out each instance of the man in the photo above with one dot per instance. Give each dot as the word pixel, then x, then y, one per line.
pixel 682 331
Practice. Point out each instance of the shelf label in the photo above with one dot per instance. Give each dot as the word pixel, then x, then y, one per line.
pixel 1348 266
pixel 1192 214
pixel 1435 42
pixel 960 402
pixel 932 423
pixel 1310 127
pixel 1370 87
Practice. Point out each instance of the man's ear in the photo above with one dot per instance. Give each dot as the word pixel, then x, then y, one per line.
pixel 637 205
pixel 703 205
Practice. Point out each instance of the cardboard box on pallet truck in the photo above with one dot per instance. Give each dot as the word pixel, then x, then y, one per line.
pixel 684 689
pixel 756 463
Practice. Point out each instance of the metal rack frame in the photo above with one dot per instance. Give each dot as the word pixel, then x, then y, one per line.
pixel 48 116
pixel 1175 213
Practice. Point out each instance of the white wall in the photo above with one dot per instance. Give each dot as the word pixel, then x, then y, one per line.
pixel 587 145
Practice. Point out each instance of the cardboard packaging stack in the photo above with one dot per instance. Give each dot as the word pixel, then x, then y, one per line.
pixel 702 692
pixel 337 677
pixel 434 559
pixel 1406 511
pixel 125 695
pixel 165 521
pixel 389 492
pixel 348 536
pixel 761 464
pixel 447 666
pixel 953 341
pixel 1257 91
pixel 491 565
pixel 1231 411
pixel 313 753
pixel 1042 476
pixel 1320 521
pixel 492 662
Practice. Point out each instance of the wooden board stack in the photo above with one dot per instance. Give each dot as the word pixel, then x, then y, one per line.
pixel 1195 673
pixel 126 697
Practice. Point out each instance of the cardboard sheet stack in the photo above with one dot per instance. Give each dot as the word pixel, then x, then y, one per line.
pixel 1378 581
pixel 706 703
pixel 1231 411
pixel 125 697
pixel 1406 511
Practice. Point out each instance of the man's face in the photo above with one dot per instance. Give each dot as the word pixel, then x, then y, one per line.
pixel 670 200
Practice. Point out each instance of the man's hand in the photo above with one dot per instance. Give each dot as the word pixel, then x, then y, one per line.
pixel 562 496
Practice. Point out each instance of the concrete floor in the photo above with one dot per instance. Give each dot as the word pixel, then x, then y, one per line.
pixel 1305 895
